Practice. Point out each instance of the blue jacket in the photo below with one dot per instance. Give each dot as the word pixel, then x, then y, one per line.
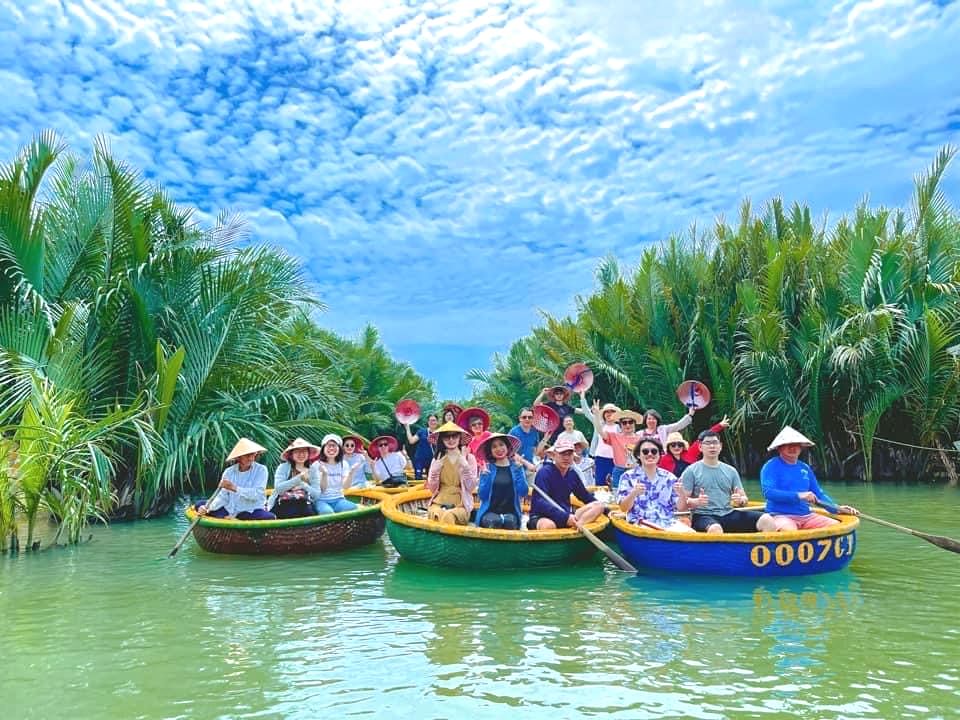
pixel 781 482
pixel 485 491
pixel 559 487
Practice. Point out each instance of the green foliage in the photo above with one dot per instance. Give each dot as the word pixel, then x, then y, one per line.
pixel 136 346
pixel 848 333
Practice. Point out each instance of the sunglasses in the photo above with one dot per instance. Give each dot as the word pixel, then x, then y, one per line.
pixel 383 444
pixel 680 445
pixel 526 417
pixel 627 422
pixel 649 451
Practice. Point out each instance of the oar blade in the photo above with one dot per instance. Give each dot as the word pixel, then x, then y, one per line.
pixel 940 541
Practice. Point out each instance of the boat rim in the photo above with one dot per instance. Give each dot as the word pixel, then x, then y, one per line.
pixel 846 525
pixel 232 523
pixel 393 513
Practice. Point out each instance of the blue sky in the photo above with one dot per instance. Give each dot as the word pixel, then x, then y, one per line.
pixel 446 170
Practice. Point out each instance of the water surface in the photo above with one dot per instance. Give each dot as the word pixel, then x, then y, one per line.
pixel 113 629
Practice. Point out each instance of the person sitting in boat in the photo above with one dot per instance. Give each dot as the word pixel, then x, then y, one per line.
pixel 650 495
pixel 680 454
pixel 652 426
pixel 335 477
pixel 556 397
pixel 423 450
pixel 714 493
pixel 790 486
pixel 354 456
pixel 452 477
pixel 602 451
pixel 622 442
pixel 503 482
pixel 242 492
pixel 296 482
pixel 558 480
pixel 475 421
pixel 388 464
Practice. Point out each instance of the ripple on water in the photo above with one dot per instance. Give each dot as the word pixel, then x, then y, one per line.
pixel 366 634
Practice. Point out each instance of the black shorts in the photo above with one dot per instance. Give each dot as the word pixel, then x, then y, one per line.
pixel 735 521
pixel 532 522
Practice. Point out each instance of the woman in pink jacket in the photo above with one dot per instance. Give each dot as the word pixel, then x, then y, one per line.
pixel 452 477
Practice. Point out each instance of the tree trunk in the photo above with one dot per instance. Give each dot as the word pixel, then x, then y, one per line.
pixel 947 464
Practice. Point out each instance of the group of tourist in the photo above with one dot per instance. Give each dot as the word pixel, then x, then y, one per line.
pixel 658 477
pixel 310 479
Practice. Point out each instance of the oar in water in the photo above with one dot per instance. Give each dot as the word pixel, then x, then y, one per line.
pixel 184 537
pixel 597 542
pixel 940 541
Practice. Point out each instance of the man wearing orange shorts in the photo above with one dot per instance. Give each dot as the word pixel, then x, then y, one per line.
pixel 790 486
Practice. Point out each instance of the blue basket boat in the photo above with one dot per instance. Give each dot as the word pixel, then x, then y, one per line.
pixel 802 552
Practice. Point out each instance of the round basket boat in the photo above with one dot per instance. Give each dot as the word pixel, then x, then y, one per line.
pixel 767 554
pixel 428 542
pixel 295 536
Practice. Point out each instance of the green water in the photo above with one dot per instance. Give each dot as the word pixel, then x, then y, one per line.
pixel 113 630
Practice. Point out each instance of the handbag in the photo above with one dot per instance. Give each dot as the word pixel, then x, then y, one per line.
pixel 392 480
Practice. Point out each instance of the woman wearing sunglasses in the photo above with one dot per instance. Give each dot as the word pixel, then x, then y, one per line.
pixel 680 455
pixel 387 463
pixel 452 477
pixel 648 494
pixel 622 443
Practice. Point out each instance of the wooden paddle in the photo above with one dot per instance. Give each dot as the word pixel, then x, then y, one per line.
pixel 183 538
pixel 597 542
pixel 940 541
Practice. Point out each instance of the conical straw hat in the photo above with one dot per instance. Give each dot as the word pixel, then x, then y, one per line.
pixel 789 436
pixel 449 427
pixel 244 447
pixel 301 443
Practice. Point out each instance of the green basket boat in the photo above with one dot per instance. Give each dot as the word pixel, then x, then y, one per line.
pixel 296 536
pixel 466 546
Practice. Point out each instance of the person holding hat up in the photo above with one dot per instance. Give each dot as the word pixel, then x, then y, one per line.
pixel 423 451
pixel 652 425
pixel 503 483
pixel 557 399
pixel 242 490
pixel 335 477
pixel 388 464
pixel 452 477
pixel 558 480
pixel 790 486
pixel 296 482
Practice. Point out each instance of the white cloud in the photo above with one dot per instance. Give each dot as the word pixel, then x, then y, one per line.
pixel 440 156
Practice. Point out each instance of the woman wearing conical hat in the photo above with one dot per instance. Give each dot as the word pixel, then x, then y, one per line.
pixel 296 482
pixel 452 477
pixel 242 490
pixel 503 483
pixel 790 486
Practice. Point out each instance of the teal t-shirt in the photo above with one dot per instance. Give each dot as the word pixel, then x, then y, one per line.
pixel 717 482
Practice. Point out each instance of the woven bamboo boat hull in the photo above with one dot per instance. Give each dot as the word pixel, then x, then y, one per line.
pixel 803 552
pixel 432 543
pixel 297 536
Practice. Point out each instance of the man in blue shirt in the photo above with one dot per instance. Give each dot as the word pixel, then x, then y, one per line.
pixel 529 439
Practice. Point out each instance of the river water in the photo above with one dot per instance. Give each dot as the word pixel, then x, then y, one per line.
pixel 113 629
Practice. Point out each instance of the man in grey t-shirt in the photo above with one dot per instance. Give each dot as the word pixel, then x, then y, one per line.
pixel 714 490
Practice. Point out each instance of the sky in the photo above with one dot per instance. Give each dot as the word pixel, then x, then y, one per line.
pixel 450 170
